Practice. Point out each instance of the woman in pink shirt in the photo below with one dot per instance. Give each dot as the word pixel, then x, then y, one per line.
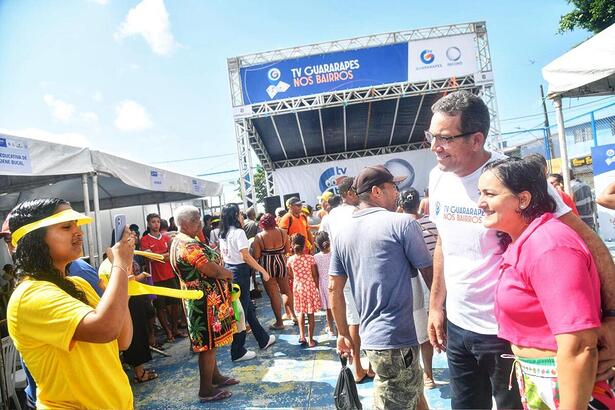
pixel 548 295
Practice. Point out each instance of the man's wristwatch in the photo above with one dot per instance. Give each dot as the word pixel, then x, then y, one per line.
pixel 608 313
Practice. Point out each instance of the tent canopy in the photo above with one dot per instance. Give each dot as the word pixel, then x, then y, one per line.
pixel 586 70
pixel 55 170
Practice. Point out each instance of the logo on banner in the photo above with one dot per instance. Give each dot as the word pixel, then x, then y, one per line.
pixel 453 53
pixel 276 85
pixel 401 168
pixel 328 177
pixel 427 56
pixel 610 156
pixel 437 208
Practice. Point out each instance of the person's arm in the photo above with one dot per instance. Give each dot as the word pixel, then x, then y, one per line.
pixel 315 276
pixel 125 334
pixel 215 271
pixel 607 197
pixel 427 274
pixel 247 258
pixel 106 322
pixel 436 322
pixel 286 242
pixel 256 247
pixel 337 280
pixel 576 367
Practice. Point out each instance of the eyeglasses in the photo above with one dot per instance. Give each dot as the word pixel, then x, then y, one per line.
pixel 445 139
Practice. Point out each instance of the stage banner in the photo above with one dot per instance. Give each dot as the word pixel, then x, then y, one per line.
pixel 311 180
pixel 603 158
pixel 325 73
pixel 443 57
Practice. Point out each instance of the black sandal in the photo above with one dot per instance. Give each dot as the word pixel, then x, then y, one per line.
pixel 146 376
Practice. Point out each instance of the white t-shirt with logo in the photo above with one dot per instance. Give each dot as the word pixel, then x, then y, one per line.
pixel 471 252
pixel 230 247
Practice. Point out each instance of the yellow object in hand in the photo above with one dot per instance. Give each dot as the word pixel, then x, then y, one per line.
pixel 136 288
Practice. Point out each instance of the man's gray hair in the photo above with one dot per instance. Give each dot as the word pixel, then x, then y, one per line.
pixel 474 112
pixel 186 214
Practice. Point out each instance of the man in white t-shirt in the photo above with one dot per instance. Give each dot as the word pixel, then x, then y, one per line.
pixel 332 223
pixel 467 255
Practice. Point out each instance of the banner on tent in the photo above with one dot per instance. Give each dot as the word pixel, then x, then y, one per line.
pixel 311 180
pixel 443 57
pixel 157 180
pixel 603 161
pixel 14 156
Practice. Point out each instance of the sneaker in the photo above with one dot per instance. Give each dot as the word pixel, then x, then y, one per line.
pixel 269 343
pixel 247 356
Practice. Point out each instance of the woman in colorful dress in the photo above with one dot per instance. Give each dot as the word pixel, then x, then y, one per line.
pixel 305 287
pixel 211 321
pixel 547 301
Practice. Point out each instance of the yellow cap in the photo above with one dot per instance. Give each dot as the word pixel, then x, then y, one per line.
pixel 64 216
pixel 325 196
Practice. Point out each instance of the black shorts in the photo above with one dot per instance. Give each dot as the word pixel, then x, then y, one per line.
pixel 162 301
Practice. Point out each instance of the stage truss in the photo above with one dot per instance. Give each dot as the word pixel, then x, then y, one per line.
pixel 244 115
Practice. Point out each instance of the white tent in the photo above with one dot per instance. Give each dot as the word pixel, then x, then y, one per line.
pixel 32 168
pixel 587 70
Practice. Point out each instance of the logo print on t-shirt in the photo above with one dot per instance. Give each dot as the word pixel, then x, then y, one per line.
pixel 463 214
pixel 437 208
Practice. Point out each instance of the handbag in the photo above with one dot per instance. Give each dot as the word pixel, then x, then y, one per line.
pixel 346 395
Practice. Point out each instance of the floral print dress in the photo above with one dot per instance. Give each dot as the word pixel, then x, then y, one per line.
pixel 211 320
pixel 306 296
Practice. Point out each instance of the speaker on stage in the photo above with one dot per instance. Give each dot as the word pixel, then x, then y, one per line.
pixel 272 203
pixel 288 196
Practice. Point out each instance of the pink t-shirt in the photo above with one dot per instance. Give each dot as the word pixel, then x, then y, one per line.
pixel 548 286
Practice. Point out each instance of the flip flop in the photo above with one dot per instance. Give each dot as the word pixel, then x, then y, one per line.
pixel 221 395
pixel 303 343
pixel 274 327
pixel 313 343
pixel 365 379
pixel 146 376
pixel 229 381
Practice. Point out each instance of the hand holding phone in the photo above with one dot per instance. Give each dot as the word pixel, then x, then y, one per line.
pixel 119 224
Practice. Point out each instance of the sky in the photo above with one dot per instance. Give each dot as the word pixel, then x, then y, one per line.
pixel 148 80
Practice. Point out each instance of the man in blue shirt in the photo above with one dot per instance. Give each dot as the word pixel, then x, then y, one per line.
pixel 378 251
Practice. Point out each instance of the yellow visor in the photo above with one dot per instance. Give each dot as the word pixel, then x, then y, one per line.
pixel 64 216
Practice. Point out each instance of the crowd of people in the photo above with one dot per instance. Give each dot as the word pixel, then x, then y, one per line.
pixel 495 265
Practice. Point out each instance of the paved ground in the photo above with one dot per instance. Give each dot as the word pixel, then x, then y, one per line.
pixel 285 376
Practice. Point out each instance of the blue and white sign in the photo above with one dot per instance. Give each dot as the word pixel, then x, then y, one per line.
pixel 325 73
pixel 603 162
pixel 441 58
pixel 14 156
pixel 157 179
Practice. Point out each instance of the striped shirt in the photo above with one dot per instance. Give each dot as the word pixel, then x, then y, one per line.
pixel 430 233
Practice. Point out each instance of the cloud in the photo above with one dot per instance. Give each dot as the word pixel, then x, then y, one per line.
pixel 131 116
pixel 90 117
pixel 149 19
pixel 68 138
pixel 101 2
pixel 60 110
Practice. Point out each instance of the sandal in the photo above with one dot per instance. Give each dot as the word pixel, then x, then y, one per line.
pixel 146 376
pixel 276 327
pixel 303 343
pixel 364 379
pixel 220 395
pixel 313 343
pixel 229 381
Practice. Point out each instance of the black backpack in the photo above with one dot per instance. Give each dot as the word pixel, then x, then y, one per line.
pixel 346 395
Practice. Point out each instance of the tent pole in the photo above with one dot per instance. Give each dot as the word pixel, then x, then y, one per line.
pixel 86 209
pixel 559 116
pixel 97 216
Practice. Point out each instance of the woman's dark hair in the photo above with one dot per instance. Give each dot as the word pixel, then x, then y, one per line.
pixel 409 200
pixel 32 257
pixel 297 241
pixel 334 201
pixel 229 217
pixel 322 240
pixel 520 175
pixel 164 225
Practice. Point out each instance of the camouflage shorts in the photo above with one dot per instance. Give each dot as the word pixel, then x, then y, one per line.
pixel 399 378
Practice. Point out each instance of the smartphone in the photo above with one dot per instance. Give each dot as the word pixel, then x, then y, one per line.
pixel 119 224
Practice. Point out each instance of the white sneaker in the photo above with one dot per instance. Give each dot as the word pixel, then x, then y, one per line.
pixel 249 355
pixel 269 343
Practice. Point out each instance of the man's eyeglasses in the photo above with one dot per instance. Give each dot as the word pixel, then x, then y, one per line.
pixel 445 139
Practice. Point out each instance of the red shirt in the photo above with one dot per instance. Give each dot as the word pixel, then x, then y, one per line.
pixel 159 270
pixel 568 201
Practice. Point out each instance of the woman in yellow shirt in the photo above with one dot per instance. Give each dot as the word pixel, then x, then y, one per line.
pixel 69 338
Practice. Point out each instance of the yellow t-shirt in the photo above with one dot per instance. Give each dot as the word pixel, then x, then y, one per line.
pixel 69 374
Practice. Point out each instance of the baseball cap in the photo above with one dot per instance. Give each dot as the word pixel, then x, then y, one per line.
pixel 293 201
pixel 324 196
pixel 373 176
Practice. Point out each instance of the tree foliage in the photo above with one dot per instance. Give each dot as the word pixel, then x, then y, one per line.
pixel 259 184
pixel 592 15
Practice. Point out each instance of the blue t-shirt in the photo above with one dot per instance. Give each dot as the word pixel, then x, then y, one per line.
pixel 84 270
pixel 379 251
